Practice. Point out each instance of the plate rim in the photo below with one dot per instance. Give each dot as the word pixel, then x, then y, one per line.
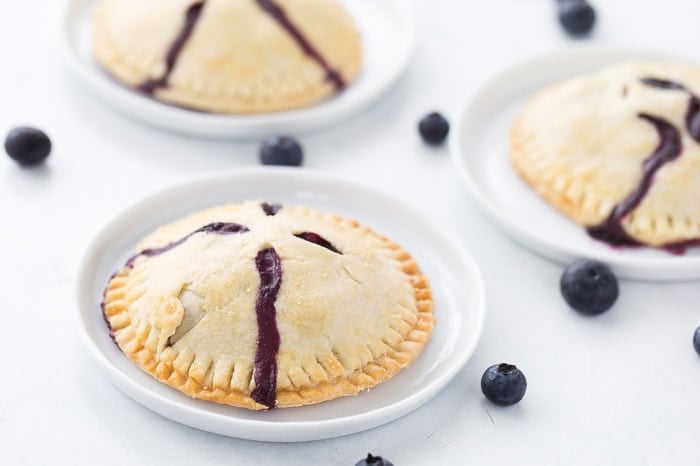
pixel 667 269
pixel 304 430
pixel 232 127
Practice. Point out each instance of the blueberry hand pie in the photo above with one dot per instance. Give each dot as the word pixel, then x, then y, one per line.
pixel 229 56
pixel 618 151
pixel 259 306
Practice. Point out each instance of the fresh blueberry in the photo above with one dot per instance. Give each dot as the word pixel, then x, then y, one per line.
pixel 374 461
pixel 503 384
pixel 434 128
pixel 589 287
pixel 696 340
pixel 27 145
pixel 281 150
pixel 577 16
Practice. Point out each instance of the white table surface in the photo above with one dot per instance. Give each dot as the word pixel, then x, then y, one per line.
pixel 614 390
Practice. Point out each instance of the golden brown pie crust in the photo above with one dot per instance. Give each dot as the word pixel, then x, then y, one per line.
pixel 216 379
pixel 237 59
pixel 581 145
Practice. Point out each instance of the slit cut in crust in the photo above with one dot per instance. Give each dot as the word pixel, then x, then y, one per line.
pixel 229 56
pixel 609 141
pixel 348 319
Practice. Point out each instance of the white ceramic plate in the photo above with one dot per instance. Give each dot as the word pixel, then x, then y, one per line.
pixel 480 150
pixel 387 30
pixel 455 278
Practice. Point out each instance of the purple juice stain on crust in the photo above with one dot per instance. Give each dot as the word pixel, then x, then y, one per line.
pixel 680 247
pixel 318 240
pixel 669 148
pixel 216 228
pixel 104 316
pixel 663 84
pixel 692 116
pixel 270 209
pixel 270 270
pixel 277 12
pixel 191 18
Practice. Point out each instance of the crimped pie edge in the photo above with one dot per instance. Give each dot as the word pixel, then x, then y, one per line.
pixel 223 98
pixel 175 369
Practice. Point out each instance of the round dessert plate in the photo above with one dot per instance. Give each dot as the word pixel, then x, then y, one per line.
pixel 387 34
pixel 480 149
pixel 455 279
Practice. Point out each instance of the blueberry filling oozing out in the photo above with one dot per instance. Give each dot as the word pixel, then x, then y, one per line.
pixel 216 228
pixel 270 270
pixel 192 16
pixel 662 84
pixel 669 148
pixel 270 209
pixel 317 239
pixel 269 267
pixel 278 14
pixel 692 116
